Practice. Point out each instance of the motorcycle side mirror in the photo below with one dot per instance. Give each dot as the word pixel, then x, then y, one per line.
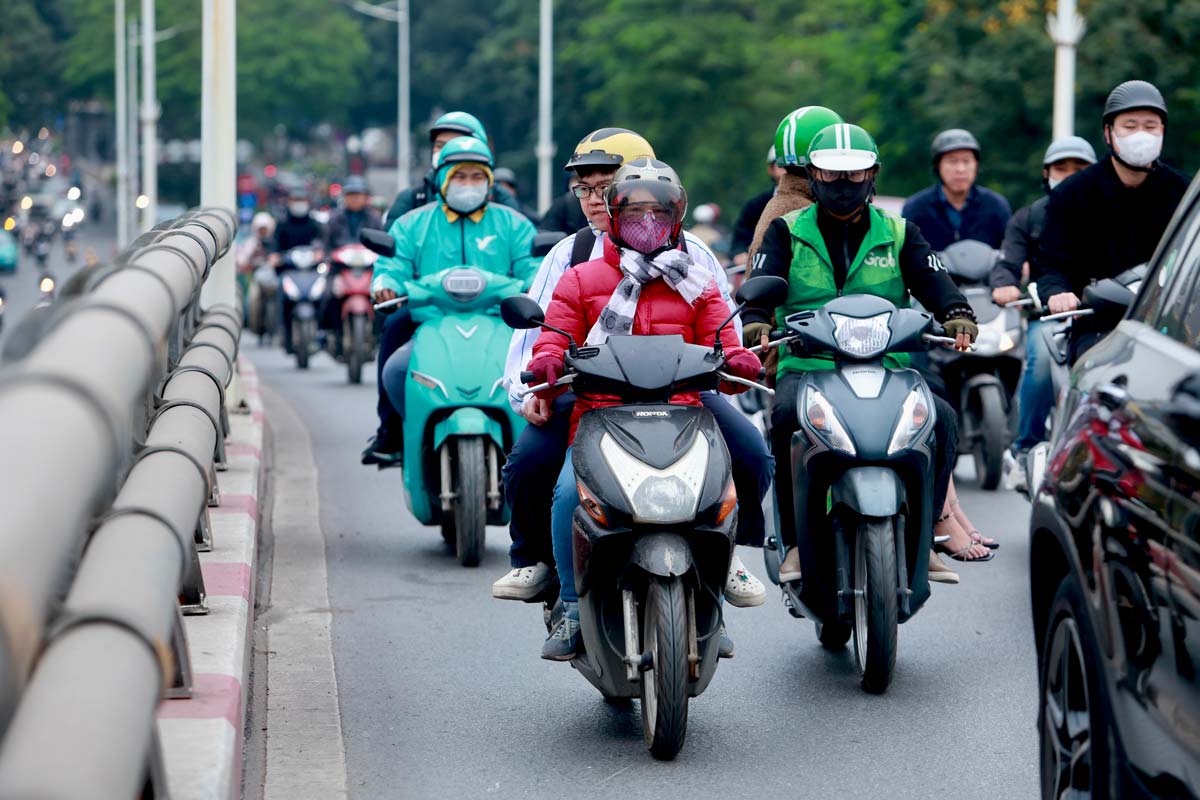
pixel 378 242
pixel 1183 411
pixel 763 291
pixel 1107 298
pixel 522 313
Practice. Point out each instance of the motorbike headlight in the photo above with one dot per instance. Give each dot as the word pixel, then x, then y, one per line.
pixel 318 288
pixel 464 285
pixel 290 288
pixel 822 419
pixel 659 496
pixel 46 285
pixel 861 336
pixel 995 337
pixel 914 417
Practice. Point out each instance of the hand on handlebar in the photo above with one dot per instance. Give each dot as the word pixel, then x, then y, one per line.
pixel 1063 301
pixel 1003 295
pixel 742 364
pixel 963 330
pixel 383 295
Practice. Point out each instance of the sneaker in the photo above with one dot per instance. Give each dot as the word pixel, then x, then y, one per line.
pixel 725 646
pixel 523 583
pixel 563 642
pixel 386 451
pixel 789 570
pixel 1014 472
pixel 741 588
pixel 939 572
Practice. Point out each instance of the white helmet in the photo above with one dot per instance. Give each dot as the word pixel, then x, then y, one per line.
pixel 263 220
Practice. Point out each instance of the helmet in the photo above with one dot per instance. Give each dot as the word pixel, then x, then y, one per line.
pixel 1134 95
pixel 463 150
pixel 263 220
pixel 1069 147
pixel 645 175
pixel 460 121
pixel 609 147
pixel 796 131
pixel 706 213
pixel 843 147
pixel 505 175
pixel 953 139
pixel 355 184
pixel 771 155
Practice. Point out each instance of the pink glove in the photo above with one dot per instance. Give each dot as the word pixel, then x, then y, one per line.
pixel 546 369
pixel 742 364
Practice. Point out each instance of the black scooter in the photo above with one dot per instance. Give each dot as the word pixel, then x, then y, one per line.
pixel 654 530
pixel 862 479
pixel 303 282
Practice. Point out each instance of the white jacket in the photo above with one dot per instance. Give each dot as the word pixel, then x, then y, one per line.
pixel 556 262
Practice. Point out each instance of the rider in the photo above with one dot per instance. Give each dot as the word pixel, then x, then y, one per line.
pixel 462 229
pixel 1109 217
pixel 956 208
pixel 533 465
pixel 1064 157
pixel 821 250
pixel 354 215
pixel 296 228
pixel 643 284
pixel 752 211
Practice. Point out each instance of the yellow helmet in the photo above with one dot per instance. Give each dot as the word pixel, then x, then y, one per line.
pixel 609 147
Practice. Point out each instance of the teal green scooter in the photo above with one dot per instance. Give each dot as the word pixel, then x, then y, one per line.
pixel 458 425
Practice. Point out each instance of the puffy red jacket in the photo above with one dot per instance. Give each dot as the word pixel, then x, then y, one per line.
pixel 584 291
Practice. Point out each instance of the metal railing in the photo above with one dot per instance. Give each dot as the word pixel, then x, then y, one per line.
pixel 111 428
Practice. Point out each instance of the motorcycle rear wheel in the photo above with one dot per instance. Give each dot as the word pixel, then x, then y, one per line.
pixel 992 439
pixel 301 343
pixel 875 603
pixel 355 347
pixel 470 505
pixel 665 685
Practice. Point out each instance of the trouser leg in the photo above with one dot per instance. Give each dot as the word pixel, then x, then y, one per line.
pixel 945 452
pixel 1035 397
pixel 395 375
pixel 397 329
pixel 566 498
pixel 753 466
pixel 530 473
pixel 783 424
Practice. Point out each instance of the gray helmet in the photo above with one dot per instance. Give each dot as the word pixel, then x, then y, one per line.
pixel 505 175
pixel 953 139
pixel 1134 95
pixel 1069 147
pixel 355 184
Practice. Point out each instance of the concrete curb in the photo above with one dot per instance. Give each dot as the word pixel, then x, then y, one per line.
pixel 202 737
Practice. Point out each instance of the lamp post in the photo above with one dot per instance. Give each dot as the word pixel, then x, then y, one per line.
pixel 218 134
pixel 1066 28
pixel 149 118
pixel 119 116
pixel 545 145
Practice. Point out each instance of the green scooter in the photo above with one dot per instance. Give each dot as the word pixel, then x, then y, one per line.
pixel 458 425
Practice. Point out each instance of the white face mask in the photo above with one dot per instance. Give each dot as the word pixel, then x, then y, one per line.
pixel 433 158
pixel 1138 149
pixel 298 208
pixel 465 198
pixel 1052 182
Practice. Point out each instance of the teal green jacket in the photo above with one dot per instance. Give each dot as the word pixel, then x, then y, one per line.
pixel 431 238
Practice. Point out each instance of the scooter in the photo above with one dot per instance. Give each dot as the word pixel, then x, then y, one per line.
pixel 654 530
pixel 47 289
pixel 303 282
pixel 458 424
pixel 264 302
pixel 862 479
pixel 352 288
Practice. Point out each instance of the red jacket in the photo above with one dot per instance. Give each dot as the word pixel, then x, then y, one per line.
pixel 584 291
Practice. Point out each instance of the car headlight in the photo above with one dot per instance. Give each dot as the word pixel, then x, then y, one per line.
pixel 318 288
pixel 914 417
pixel 659 496
pixel 861 336
pixel 822 419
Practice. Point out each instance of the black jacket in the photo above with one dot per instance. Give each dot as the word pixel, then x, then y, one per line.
pixel 1021 239
pixel 983 217
pixel 296 231
pixel 1096 227
pixel 564 214
pixel 926 278
pixel 747 222
pixel 345 225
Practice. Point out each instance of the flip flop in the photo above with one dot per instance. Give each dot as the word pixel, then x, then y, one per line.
pixel 979 538
pixel 958 555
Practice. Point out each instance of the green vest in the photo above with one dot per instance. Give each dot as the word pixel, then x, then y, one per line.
pixel 875 270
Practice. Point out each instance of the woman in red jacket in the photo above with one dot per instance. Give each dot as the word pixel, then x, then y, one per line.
pixel 644 285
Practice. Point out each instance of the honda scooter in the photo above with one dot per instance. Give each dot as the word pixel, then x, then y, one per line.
pixel 353 265
pixel 303 282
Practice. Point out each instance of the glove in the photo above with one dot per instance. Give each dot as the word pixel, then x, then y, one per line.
pixel 958 325
pixel 752 332
pixel 546 369
pixel 742 364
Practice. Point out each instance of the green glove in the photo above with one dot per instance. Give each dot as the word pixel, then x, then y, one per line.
pixel 752 332
pixel 961 325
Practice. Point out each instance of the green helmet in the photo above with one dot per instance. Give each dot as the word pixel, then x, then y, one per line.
pixel 796 131
pixel 464 149
pixel 459 121
pixel 843 147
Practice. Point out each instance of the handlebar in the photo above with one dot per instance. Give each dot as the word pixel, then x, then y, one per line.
pixel 387 305
pixel 950 340
pixel 725 376
pixel 1079 312
pixel 563 380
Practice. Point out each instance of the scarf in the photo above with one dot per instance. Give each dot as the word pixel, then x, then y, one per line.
pixel 674 266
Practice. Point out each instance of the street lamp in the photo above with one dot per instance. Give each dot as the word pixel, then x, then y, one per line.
pixel 1066 28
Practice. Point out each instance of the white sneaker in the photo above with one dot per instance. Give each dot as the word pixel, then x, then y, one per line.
pixel 741 588
pixel 1014 473
pixel 523 583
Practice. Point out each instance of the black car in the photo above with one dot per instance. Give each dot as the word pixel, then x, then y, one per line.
pixel 1115 547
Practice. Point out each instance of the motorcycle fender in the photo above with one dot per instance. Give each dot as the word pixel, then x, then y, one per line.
pixel 356 304
pixel 983 379
pixel 664 554
pixel 304 311
pixel 467 422
pixel 870 491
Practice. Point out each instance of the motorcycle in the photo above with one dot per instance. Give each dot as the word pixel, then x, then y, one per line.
pixel 458 424
pixel 352 287
pixel 303 282
pixel 654 530
pixel 863 479
pixel 263 302
pixel 47 288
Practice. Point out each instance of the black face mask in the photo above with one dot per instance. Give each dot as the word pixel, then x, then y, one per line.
pixel 842 197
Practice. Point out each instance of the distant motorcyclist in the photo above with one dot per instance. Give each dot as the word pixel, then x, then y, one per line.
pixel 353 215
pixel 955 208
pixel 259 244
pixel 462 228
pixel 506 181
pixel 296 228
pixel 823 251
pixel 1111 216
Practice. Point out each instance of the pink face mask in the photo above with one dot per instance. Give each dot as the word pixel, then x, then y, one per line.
pixel 646 234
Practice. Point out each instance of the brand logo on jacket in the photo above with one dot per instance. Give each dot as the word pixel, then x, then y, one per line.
pixel 884 260
pixel 484 242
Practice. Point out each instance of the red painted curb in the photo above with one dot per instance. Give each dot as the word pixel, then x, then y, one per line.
pixel 213 697
pixel 227 579
pixel 237 503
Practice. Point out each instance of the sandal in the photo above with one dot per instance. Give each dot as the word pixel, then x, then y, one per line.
pixel 976 536
pixel 960 555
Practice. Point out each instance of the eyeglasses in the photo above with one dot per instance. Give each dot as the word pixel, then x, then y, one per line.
pixel 582 190
pixel 831 175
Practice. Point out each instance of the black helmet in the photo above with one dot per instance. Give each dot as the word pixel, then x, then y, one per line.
pixel 953 139
pixel 1132 96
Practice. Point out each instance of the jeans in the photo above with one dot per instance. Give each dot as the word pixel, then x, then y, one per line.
pixel 397 330
pixel 393 378
pixel 566 498
pixel 784 423
pixel 1035 396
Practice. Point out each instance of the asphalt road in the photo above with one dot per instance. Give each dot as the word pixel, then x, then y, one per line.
pixel 442 692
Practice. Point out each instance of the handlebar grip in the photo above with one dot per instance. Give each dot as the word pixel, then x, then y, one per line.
pixel 527 377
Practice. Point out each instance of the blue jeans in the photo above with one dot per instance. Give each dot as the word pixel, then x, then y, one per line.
pixel 398 328
pixel 530 472
pixel 392 378
pixel 1035 395
pixel 566 498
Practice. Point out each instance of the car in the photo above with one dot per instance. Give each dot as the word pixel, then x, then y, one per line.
pixel 1115 545
pixel 8 252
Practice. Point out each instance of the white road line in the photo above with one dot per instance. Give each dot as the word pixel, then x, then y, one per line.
pixel 306 756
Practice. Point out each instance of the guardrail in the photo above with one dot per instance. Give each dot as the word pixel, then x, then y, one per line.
pixel 111 427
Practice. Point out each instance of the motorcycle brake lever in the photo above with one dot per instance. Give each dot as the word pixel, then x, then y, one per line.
pixel 725 376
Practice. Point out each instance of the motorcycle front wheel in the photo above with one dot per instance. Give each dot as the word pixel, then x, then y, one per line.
pixel 301 342
pixel 875 604
pixel 993 438
pixel 665 684
pixel 470 506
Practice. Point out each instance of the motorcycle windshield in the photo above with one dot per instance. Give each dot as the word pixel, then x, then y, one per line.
pixel 846 327
pixel 636 365
pixel 457 290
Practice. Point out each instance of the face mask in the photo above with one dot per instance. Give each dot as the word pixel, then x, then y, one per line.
pixel 842 197
pixel 646 234
pixel 433 159
pixel 465 198
pixel 1138 150
pixel 1052 182
pixel 298 209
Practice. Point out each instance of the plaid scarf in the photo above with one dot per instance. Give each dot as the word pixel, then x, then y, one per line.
pixel 673 266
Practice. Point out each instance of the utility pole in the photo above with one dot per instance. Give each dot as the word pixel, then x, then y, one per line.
pixel 404 127
pixel 1066 28
pixel 218 135
pixel 545 145
pixel 122 121
pixel 131 123
pixel 149 118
